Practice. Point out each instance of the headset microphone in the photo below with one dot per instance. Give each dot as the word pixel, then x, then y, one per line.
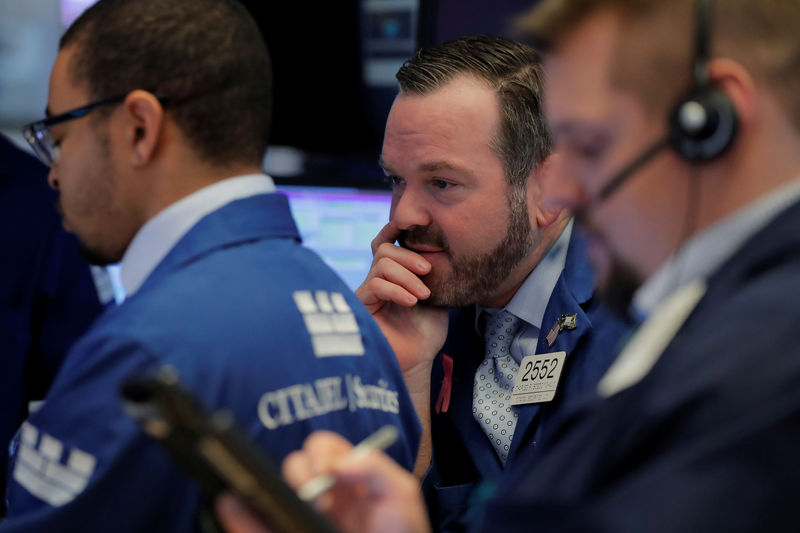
pixel 629 169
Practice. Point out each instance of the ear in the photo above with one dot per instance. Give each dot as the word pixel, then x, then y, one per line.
pixel 733 79
pixel 546 213
pixel 143 116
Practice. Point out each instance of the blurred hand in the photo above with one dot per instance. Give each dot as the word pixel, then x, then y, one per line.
pixel 372 494
pixel 235 517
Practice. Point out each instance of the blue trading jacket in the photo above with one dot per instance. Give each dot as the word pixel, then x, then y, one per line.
pixel 47 296
pixel 463 458
pixel 254 323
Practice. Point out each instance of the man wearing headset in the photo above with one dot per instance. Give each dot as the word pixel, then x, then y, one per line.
pixel 690 110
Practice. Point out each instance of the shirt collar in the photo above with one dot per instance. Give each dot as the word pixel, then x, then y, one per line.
pixel 701 255
pixel 159 234
pixel 530 301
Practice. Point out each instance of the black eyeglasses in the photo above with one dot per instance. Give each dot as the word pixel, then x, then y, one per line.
pixel 41 140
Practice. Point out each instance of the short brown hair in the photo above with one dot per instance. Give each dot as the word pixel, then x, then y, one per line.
pixel 761 35
pixel 514 71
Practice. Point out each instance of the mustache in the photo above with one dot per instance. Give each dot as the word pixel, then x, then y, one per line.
pixel 422 235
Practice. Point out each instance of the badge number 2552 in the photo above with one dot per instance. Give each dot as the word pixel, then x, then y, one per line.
pixel 538 377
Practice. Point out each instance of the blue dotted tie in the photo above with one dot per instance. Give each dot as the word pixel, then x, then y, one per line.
pixel 494 381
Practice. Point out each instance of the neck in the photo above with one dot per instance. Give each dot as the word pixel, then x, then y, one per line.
pixel 762 160
pixel 175 182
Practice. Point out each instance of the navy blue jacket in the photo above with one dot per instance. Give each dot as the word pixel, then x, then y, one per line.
pixel 707 440
pixel 254 323
pixel 463 457
pixel 47 296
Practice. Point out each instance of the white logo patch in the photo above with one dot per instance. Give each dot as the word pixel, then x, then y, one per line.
pixel 330 322
pixel 40 471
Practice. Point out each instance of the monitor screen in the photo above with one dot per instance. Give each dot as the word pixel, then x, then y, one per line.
pixel 339 225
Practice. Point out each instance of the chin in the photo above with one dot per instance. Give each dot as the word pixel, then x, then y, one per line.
pixel 617 285
pixel 95 256
pixel 454 292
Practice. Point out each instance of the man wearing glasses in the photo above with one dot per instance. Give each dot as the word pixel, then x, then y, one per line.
pixel 47 296
pixel 158 116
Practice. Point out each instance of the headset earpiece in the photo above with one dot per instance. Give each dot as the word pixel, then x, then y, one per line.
pixel 704 123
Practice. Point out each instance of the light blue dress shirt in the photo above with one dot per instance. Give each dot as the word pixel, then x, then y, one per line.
pixel 157 237
pixel 530 301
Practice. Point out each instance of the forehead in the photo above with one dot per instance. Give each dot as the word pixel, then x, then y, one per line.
pixel 460 117
pixel 64 92
pixel 579 73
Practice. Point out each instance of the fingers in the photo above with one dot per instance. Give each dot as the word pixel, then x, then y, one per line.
pixel 391 281
pixel 390 493
pixel 320 451
pixel 235 517
pixel 387 235
pixel 372 493
pixel 408 259
pixel 395 273
pixel 383 247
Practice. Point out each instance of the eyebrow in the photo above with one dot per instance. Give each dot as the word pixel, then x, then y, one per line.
pixel 432 166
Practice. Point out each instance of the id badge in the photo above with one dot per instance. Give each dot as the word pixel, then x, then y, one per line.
pixel 537 378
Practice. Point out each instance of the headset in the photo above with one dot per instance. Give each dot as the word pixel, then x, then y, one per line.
pixel 702 125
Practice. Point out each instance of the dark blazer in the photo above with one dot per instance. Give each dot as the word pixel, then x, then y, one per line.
pixel 47 296
pixel 463 457
pixel 708 440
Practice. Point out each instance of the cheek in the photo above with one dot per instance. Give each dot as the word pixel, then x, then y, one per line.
pixel 86 187
pixel 632 232
pixel 479 231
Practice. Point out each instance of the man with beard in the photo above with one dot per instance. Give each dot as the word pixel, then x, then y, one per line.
pixel 682 147
pixel 158 117
pixel 465 147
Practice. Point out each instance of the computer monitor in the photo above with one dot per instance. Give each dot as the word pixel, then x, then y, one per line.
pixel 339 225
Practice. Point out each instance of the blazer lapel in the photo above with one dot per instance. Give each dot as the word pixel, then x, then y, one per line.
pixel 574 287
pixel 466 349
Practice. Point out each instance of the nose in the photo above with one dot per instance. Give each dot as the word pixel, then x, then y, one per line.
pixel 560 189
pixel 52 178
pixel 409 208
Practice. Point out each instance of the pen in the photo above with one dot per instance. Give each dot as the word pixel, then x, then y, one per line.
pixel 380 440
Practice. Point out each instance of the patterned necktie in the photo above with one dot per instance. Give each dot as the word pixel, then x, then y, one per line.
pixel 494 381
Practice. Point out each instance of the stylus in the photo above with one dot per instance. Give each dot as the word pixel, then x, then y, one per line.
pixel 380 440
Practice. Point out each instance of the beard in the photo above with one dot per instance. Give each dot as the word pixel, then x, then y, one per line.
pixel 617 280
pixel 474 279
pixel 96 257
pixel 96 245
pixel 618 288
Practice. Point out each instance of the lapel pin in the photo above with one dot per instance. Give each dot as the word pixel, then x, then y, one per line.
pixel 563 322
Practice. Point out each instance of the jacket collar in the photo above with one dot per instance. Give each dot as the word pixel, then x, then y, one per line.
pixel 263 216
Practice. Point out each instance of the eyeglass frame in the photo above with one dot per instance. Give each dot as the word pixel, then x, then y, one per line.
pixel 38 135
